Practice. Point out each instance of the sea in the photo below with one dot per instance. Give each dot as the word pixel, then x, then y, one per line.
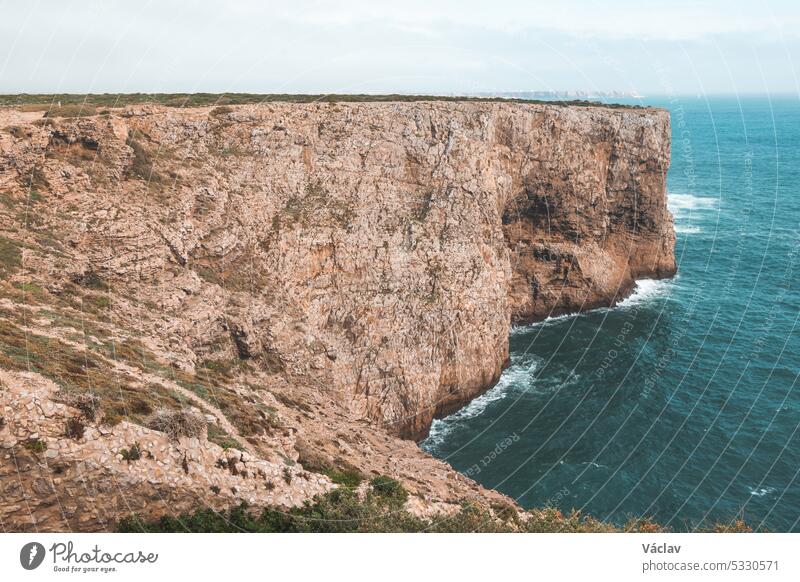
pixel 681 403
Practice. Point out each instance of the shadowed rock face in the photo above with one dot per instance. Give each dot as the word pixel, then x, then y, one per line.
pixel 378 250
pixel 590 215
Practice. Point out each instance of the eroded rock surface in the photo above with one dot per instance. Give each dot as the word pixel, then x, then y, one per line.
pixel 339 265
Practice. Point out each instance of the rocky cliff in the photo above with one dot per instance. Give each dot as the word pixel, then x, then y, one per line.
pixel 307 273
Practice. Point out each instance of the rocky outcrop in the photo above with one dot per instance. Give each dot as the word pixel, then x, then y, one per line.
pixel 62 471
pixel 385 246
pixel 590 216
pixel 366 259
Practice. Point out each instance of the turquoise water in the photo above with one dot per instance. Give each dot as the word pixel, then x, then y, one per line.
pixel 682 403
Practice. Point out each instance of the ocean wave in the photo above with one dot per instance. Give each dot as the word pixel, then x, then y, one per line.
pixel 552 320
pixel 517 374
pixel 519 330
pixel 645 291
pixel 686 229
pixel 761 492
pixel 684 204
pixel 523 329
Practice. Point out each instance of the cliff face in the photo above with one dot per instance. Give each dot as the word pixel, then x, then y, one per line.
pixel 590 215
pixel 386 246
pixel 372 255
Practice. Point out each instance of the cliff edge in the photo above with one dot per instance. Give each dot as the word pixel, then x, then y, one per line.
pixel 305 273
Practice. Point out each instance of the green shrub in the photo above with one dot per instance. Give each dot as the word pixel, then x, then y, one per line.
pixel 100 301
pixel 347 477
pixel 35 445
pixel 342 510
pixel 134 453
pixel 339 511
pixel 218 436
pixel 389 490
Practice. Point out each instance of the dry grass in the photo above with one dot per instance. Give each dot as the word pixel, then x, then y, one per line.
pixel 178 423
pixel 10 257
pixel 86 402
pixel 142 166
pixel 74 429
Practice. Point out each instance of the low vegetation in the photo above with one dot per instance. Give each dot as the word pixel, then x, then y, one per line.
pixel 133 453
pixel 87 403
pixel 351 478
pixel 142 166
pixel 379 510
pixel 218 436
pixel 74 428
pixel 35 445
pixel 389 490
pixel 50 101
pixel 339 471
pixel 345 511
pixel 70 110
pixel 315 206
pixel 178 423
pixel 87 379
pixel 10 258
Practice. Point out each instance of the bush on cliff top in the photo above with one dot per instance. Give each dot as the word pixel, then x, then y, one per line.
pixel 389 490
pixel 46 101
pixel 344 511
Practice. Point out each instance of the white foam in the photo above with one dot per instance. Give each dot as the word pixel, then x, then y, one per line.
pixel 646 290
pixel 518 374
pixel 523 329
pixel 519 330
pixel 762 491
pixel 686 229
pixel 684 204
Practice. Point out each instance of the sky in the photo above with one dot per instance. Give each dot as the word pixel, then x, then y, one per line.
pixel 402 46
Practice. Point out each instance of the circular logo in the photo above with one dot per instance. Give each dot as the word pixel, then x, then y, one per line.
pixel 31 555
